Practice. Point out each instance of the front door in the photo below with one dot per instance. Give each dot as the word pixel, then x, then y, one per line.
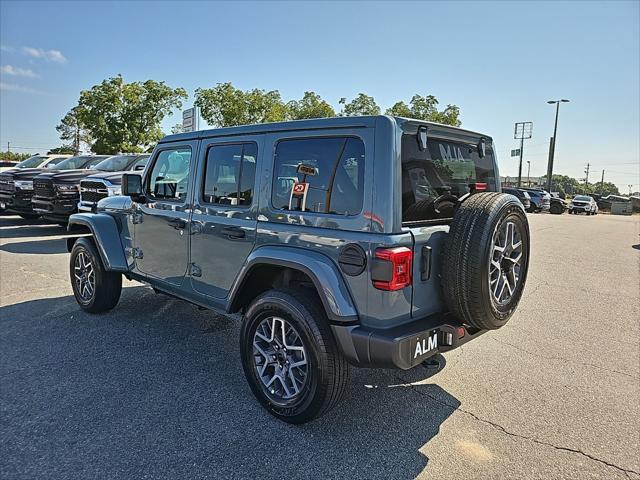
pixel 224 216
pixel 161 222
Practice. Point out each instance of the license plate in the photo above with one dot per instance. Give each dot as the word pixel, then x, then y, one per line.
pixel 423 346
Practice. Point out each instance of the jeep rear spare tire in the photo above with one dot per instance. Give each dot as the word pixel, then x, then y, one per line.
pixel 486 258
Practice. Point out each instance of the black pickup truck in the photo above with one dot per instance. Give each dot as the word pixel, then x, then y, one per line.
pixel 56 193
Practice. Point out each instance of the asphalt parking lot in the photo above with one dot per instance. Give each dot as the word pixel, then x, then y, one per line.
pixel 154 389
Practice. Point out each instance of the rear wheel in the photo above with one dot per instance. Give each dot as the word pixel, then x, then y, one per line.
pixel 556 209
pixel 289 356
pixel 96 290
pixel 486 259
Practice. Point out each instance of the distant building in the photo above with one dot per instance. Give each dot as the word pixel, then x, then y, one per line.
pixel 508 181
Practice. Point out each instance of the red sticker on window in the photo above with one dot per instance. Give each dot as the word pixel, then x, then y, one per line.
pixel 300 188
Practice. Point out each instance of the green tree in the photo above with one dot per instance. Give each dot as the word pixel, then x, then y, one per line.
pixel 311 105
pixel 226 106
pixel 70 129
pixel 126 117
pixel 426 108
pixel 177 128
pixel 361 105
pixel 64 149
pixel 13 156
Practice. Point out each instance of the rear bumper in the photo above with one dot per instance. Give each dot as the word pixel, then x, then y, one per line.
pixel 402 347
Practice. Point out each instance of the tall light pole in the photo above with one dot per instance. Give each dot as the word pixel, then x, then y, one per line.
pixel 528 172
pixel 552 147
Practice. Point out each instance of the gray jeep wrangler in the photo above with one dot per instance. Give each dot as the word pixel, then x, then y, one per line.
pixel 371 241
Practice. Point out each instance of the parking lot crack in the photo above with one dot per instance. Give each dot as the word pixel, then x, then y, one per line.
pixel 551 357
pixel 502 429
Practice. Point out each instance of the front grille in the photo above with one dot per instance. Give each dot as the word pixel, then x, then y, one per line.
pixel 6 185
pixel 92 191
pixel 43 188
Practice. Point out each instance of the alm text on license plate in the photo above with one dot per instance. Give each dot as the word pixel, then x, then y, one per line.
pixel 423 345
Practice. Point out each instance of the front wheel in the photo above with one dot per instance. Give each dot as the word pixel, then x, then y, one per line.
pixel 96 290
pixel 289 356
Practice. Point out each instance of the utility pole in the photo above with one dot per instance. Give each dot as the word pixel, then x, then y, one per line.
pixel 8 147
pixel 630 189
pixel 602 183
pixel 522 130
pixel 528 172
pixel 552 145
pixel 586 179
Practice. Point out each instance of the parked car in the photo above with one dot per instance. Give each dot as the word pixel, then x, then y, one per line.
pixel 522 195
pixel 16 185
pixel 378 267
pixel 97 186
pixel 56 192
pixel 583 204
pixel 5 165
pixel 557 205
pixel 540 200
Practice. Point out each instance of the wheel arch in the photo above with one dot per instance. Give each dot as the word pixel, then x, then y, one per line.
pixel 273 266
pixel 104 231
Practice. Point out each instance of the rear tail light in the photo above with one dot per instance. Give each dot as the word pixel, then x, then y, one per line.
pixel 392 269
pixel 480 187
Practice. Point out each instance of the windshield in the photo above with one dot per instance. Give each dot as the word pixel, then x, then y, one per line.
pixel 117 163
pixel 433 178
pixel 140 163
pixel 582 198
pixel 31 162
pixel 76 162
pixel 55 162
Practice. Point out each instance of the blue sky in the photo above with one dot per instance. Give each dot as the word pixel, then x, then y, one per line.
pixel 499 61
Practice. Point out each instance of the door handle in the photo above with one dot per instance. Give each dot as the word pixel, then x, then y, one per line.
pixel 233 232
pixel 177 223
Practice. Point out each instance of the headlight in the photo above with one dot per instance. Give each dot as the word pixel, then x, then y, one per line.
pixel 24 184
pixel 114 190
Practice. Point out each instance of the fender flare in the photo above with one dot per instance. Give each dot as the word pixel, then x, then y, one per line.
pixel 322 271
pixel 107 238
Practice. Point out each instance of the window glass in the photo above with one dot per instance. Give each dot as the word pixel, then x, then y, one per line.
pixel 116 163
pixel 31 162
pixel 53 163
pixel 73 163
pixel 332 167
pixel 169 179
pixel 140 163
pixel 433 178
pixel 230 174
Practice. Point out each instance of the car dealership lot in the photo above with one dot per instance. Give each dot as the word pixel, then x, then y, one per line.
pixel 155 388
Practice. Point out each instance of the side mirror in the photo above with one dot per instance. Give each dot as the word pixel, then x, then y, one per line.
pixel 132 186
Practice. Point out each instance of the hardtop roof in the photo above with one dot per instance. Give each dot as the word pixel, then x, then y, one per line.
pixel 310 124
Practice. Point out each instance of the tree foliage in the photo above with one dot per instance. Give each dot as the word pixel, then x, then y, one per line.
pixel 63 150
pixel 311 105
pixel 126 117
pixel 70 129
pixel 8 156
pixel 361 105
pixel 426 108
pixel 225 106
pixel 571 186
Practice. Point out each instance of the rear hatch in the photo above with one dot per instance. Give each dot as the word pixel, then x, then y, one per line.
pixel 453 163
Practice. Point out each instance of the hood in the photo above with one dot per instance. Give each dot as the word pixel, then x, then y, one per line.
pixel 115 178
pixel 23 173
pixel 66 176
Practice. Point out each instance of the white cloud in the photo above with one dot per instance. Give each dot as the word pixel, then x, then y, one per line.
pixel 17 71
pixel 50 55
pixel 14 87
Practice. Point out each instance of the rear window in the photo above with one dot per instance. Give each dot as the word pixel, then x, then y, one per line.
pixel 434 178
pixel 329 171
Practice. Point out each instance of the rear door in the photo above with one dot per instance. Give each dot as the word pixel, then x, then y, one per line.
pixel 161 223
pixel 224 216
